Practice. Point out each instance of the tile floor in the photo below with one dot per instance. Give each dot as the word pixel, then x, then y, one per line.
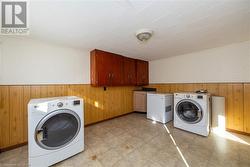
pixel 134 141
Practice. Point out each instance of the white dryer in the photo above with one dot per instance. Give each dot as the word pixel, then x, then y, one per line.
pixel 192 112
pixel 55 129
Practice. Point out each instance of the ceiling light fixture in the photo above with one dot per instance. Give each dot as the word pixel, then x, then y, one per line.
pixel 144 34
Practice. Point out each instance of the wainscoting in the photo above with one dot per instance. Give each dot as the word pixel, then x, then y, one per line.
pixel 237 96
pixel 99 105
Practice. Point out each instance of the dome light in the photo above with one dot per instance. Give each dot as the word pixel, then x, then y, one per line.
pixel 144 34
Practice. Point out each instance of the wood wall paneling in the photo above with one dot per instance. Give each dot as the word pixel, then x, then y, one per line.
pixel 16 114
pixel 51 90
pixel 247 108
pixel 238 107
pixel 95 99
pixel 237 98
pixel 99 105
pixel 35 92
pixel 128 100
pixel 26 99
pixel 4 117
pixel 43 91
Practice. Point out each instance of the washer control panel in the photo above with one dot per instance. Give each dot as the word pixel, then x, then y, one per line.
pixel 199 96
pixel 190 96
pixel 59 104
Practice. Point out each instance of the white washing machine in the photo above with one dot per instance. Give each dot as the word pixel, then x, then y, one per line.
pixel 160 107
pixel 192 112
pixel 55 129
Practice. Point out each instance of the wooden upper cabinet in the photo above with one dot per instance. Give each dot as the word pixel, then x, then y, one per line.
pixel 109 69
pixel 129 77
pixel 142 72
pixel 106 68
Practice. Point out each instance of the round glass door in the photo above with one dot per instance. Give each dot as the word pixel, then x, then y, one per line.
pixel 189 111
pixel 57 129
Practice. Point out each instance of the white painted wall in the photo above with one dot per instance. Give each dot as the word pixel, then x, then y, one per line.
pixel 230 63
pixel 26 61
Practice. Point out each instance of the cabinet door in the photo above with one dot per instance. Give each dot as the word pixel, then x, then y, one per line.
pixel 129 74
pixel 116 70
pixel 142 72
pixel 93 68
pixel 101 68
pixel 109 69
pixel 140 101
pixel 105 70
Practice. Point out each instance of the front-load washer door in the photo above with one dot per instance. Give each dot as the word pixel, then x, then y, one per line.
pixel 189 111
pixel 57 129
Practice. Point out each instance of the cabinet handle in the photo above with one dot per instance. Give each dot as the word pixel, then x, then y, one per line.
pixel 109 78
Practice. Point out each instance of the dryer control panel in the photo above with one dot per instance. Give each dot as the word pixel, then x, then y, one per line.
pixel 76 102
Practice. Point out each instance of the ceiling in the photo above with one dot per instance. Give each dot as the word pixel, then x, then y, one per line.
pixel 180 26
